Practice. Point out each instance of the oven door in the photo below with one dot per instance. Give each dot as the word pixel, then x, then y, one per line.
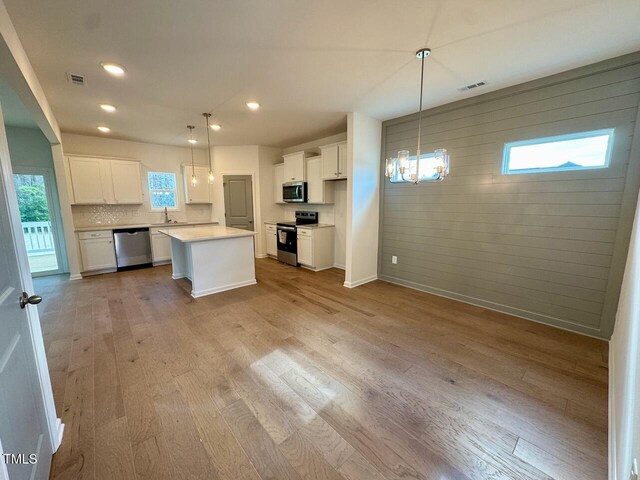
pixel 294 192
pixel 287 238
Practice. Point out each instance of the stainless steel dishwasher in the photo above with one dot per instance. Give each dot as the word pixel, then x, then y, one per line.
pixel 133 248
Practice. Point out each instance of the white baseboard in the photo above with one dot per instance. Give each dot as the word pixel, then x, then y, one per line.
pixel 341 267
pixel 177 276
pixel 360 282
pixel 261 255
pixel 60 435
pixel 209 291
pixel 77 276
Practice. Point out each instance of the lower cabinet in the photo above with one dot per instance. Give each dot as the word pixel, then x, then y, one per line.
pixel 316 247
pixel 97 250
pixel 272 240
pixel 160 248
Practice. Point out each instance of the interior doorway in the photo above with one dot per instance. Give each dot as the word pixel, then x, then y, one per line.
pixel 40 226
pixel 238 201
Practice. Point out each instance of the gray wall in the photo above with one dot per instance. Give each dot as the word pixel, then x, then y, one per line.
pixel 548 247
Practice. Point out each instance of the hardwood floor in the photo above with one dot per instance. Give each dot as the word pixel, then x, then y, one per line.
pixel 300 378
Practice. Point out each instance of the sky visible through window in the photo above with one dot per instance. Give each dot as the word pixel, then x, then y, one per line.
pixel 569 152
pixel 162 189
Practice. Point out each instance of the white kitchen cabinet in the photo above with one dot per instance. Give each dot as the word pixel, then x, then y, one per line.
pixel 305 248
pixel 90 180
pixel 97 250
pixel 334 161
pixel 318 190
pixel 127 185
pixel 105 181
pixel 295 167
pixel 316 247
pixel 160 248
pixel 272 240
pixel 278 180
pixel 201 191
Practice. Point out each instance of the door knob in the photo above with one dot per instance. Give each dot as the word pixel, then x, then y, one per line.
pixel 26 299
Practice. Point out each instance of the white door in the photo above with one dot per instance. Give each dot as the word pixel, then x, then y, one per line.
pixel 160 247
pixel 330 162
pixel 305 250
pixel 201 191
pixel 87 180
pixel 25 418
pixel 342 160
pixel 127 187
pixel 97 254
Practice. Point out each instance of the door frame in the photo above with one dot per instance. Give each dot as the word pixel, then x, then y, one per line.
pixel 54 215
pixel 54 424
pixel 257 218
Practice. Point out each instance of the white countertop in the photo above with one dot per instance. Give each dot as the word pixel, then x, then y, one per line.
pixel 200 234
pixel 141 225
pixel 313 225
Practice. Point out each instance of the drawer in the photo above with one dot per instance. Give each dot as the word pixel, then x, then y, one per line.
pixel 271 228
pixel 305 232
pixel 95 234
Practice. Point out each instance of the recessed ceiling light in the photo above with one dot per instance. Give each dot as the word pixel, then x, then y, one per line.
pixel 113 69
pixel 108 108
pixel 192 140
pixel 104 129
pixel 253 105
pixel 216 126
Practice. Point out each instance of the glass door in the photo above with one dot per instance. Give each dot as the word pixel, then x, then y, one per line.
pixel 39 226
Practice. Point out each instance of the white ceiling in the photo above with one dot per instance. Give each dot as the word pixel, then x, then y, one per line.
pixel 307 62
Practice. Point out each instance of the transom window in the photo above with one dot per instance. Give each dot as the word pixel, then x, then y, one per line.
pixel 162 190
pixel 575 151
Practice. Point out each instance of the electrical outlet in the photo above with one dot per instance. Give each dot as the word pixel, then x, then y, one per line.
pixel 394 260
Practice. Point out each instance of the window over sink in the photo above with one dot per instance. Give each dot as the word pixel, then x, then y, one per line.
pixel 163 190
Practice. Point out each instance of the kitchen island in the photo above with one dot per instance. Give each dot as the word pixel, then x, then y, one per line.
pixel 215 258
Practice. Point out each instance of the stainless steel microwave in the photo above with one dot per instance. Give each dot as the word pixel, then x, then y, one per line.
pixel 294 192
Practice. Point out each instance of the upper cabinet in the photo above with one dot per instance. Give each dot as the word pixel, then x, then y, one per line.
pixel 104 181
pixel 334 161
pixel 278 180
pixel 125 177
pixel 201 191
pixel 295 167
pixel 318 191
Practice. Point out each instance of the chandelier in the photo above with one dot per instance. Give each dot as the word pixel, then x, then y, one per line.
pixel 431 168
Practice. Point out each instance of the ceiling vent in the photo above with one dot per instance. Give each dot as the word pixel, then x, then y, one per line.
pixel 76 79
pixel 472 86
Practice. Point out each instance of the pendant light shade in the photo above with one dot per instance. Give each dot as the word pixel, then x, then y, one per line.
pixel 210 177
pixel 433 168
pixel 194 179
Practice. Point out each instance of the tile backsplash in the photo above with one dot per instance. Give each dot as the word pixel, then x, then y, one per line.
pixel 89 215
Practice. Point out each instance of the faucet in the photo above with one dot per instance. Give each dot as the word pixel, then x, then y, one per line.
pixel 166 216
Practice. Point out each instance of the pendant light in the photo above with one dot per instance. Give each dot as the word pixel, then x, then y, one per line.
pixel 398 167
pixel 210 177
pixel 194 179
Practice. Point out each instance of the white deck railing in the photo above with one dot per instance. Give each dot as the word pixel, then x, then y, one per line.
pixel 38 237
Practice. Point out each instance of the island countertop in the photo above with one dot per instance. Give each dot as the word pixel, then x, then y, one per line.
pixel 212 232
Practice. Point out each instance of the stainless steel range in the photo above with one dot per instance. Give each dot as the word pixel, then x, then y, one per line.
pixel 287 236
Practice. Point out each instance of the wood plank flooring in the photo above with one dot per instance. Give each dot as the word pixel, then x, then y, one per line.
pixel 300 378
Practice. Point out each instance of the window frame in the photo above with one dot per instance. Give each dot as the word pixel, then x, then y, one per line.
pixel 158 209
pixel 553 139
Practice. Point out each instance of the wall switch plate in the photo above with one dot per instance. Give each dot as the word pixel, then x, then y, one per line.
pixel 394 260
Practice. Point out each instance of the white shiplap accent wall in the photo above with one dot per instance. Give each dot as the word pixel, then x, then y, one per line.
pixel 548 246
